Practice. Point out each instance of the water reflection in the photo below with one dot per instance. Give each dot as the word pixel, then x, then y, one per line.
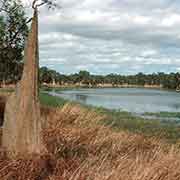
pixel 128 99
pixel 81 98
pixel 176 105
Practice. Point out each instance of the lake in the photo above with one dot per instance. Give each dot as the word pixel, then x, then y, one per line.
pixel 135 100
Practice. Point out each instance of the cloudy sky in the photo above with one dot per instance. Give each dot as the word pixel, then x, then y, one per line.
pixel 111 36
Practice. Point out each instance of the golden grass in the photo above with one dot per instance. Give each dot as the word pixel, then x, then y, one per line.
pixel 80 148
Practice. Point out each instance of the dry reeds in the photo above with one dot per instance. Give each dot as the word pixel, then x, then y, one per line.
pixel 80 148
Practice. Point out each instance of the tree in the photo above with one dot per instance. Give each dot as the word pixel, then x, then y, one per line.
pixel 45 75
pixel 84 77
pixel 12 38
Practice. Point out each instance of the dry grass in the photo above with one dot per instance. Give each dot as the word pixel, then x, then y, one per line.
pixel 79 148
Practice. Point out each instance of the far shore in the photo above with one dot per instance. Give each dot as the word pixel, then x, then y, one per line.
pixel 79 85
pixel 71 86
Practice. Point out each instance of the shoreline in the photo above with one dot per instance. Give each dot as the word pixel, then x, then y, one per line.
pixel 49 88
pixel 161 115
pixel 124 121
pixel 71 86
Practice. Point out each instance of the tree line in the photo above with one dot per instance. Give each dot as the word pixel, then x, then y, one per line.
pixel 13 32
pixel 169 81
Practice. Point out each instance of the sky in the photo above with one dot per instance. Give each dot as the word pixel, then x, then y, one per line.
pixel 111 36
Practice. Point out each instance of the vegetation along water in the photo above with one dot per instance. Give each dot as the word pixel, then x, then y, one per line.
pixel 157 126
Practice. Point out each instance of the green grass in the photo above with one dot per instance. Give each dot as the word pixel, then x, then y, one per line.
pixel 164 114
pixel 126 121
pixel 121 120
pixel 49 100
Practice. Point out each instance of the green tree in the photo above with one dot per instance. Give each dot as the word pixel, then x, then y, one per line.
pixel 84 77
pixel 13 33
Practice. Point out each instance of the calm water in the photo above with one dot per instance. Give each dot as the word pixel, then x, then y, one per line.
pixel 128 99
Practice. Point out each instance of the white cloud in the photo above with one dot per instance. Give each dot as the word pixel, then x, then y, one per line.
pixel 103 36
pixel 178 68
pixel 149 52
pixel 142 20
pixel 171 20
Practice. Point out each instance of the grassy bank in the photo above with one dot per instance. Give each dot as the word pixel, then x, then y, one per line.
pixel 80 146
pixel 52 101
pixel 164 114
pixel 120 120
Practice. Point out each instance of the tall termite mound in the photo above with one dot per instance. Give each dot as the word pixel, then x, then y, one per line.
pixel 22 121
